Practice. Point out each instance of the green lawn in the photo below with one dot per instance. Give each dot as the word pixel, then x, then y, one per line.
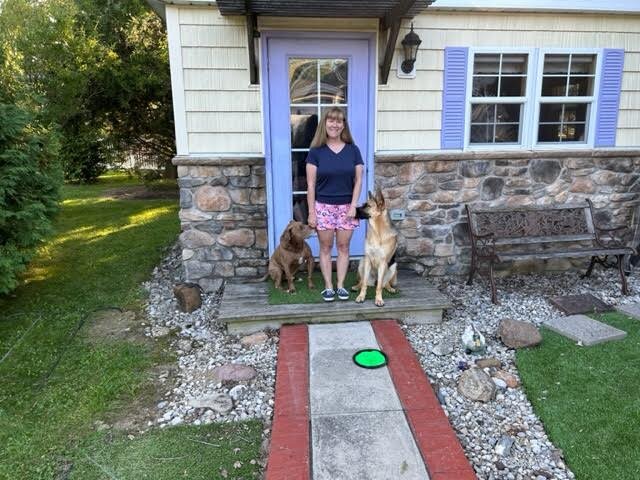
pixel 589 399
pixel 54 384
pixel 305 295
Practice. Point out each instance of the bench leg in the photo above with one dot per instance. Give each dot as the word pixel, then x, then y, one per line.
pixel 494 292
pixel 623 279
pixel 473 269
pixel 590 269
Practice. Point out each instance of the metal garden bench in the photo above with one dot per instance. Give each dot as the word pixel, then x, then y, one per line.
pixel 541 232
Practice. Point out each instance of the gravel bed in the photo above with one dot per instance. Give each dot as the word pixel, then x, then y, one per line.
pixel 506 425
pixel 502 438
pixel 201 344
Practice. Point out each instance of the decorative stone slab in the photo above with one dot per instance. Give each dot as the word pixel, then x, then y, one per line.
pixel 337 384
pixel 631 309
pixel 370 445
pixel 584 329
pixel 574 304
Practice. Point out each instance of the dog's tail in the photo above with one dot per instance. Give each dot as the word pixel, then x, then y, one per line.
pixel 258 280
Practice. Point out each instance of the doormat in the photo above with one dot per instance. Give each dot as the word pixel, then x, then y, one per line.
pixel 575 304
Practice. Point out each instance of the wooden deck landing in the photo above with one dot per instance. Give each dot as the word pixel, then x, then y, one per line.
pixel 245 308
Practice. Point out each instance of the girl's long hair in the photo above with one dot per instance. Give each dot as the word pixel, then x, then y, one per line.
pixel 320 138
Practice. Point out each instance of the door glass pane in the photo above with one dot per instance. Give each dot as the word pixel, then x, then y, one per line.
pixel 300 207
pixel 303 80
pixel 333 81
pixel 304 121
pixel 315 84
pixel 298 171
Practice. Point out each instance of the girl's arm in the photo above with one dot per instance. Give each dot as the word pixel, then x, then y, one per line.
pixel 312 170
pixel 357 188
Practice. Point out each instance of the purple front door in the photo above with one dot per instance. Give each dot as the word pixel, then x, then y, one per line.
pixel 305 76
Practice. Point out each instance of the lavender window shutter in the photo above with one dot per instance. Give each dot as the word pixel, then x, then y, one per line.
pixel 453 97
pixel 609 97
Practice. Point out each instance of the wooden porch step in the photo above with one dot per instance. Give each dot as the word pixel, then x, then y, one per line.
pixel 245 307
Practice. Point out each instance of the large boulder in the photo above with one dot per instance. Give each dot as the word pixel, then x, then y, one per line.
pixel 234 372
pixel 476 385
pixel 516 334
pixel 188 296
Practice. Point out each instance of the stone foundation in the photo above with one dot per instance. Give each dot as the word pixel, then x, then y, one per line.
pixel 432 190
pixel 224 217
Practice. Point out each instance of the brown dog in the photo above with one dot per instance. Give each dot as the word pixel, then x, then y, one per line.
pixel 290 254
pixel 378 266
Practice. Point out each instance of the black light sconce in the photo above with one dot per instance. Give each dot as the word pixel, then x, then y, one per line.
pixel 410 44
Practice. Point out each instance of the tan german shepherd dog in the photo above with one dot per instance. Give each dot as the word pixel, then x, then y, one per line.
pixel 378 266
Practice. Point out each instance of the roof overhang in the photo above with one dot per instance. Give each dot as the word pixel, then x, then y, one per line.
pixel 383 9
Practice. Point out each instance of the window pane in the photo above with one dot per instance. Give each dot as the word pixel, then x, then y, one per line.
pixel 485 86
pixel 550 112
pixel 483 113
pixel 554 86
pixel 333 81
pixel 303 80
pixel 508 113
pixel 575 112
pixel 514 63
pixel 304 121
pixel 573 132
pixel 507 133
pixel 300 208
pixel 512 86
pixel 298 171
pixel 583 64
pixel 486 63
pixel 580 86
pixel 549 133
pixel 556 63
pixel 481 134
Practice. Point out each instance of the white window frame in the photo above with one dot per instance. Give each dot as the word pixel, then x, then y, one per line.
pixel 524 113
pixel 591 117
pixel 530 113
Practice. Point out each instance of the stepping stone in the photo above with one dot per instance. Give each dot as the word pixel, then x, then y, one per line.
pixel 584 329
pixel 631 309
pixel 573 304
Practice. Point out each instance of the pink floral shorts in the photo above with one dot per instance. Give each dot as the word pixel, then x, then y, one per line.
pixel 334 217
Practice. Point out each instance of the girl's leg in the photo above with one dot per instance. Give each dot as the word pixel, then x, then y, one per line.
pixel 342 264
pixel 326 244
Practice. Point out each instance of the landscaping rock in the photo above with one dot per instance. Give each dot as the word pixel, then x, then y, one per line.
pixel 516 334
pixel 476 385
pixel 511 380
pixel 160 332
pixel 188 297
pixel 488 363
pixel 442 348
pixel 218 402
pixel 254 339
pixel 503 447
pixel 233 372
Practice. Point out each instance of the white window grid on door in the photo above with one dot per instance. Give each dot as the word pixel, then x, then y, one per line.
pixel 530 111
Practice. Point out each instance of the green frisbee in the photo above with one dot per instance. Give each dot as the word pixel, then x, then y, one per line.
pixel 370 358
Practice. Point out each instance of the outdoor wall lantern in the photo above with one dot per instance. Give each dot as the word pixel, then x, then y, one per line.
pixel 410 44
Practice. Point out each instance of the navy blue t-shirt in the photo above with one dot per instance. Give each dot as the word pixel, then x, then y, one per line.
pixel 336 174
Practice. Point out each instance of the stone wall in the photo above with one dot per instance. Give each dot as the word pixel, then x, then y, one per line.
pixel 432 189
pixel 224 217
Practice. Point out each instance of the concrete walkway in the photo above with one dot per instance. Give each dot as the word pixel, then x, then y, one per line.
pixel 341 421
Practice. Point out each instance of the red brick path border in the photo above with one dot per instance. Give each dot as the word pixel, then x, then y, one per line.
pixel 438 444
pixel 289 452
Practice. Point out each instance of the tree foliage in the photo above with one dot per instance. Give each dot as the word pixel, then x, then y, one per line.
pixel 29 181
pixel 98 70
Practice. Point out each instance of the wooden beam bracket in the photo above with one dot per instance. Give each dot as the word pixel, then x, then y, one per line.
pixel 252 34
pixel 392 38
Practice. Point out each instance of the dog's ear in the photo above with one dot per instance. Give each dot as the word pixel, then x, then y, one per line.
pixel 379 197
pixel 369 195
pixel 285 238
